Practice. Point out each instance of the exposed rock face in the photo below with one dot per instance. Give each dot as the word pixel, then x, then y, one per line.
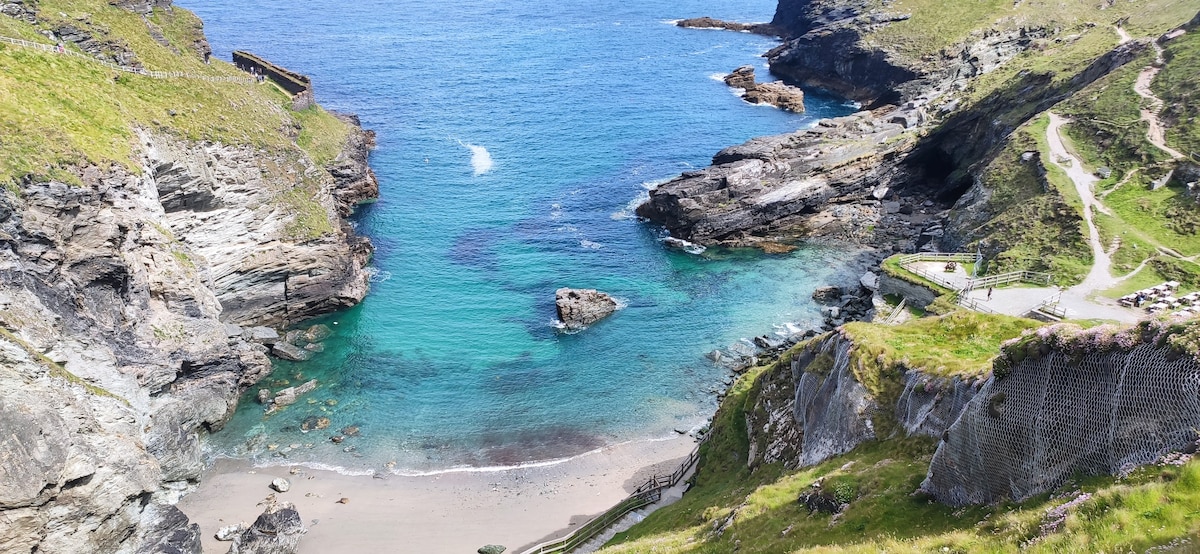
pixel 813 183
pixel 113 356
pixel 578 308
pixel 783 96
pixel 25 10
pixel 814 408
pixel 1063 403
pixel 355 180
pixel 264 265
pixel 828 48
pixel 277 531
pixel 710 23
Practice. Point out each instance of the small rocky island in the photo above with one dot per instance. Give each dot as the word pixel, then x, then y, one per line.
pixel 780 95
pixel 578 308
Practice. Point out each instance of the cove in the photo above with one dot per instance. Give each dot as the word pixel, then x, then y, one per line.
pixel 514 141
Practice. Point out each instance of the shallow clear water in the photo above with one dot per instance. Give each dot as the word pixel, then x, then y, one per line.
pixel 514 139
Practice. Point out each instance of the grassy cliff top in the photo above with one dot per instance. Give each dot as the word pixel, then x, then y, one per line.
pixel 961 343
pixel 935 25
pixel 60 112
pixel 731 508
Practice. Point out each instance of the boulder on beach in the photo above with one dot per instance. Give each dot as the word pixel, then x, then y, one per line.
pixel 280 484
pixel 276 531
pixel 578 308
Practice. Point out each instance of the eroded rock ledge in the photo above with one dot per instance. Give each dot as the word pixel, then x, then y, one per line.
pixel 777 94
pixel 824 182
pixel 710 23
pixel 114 353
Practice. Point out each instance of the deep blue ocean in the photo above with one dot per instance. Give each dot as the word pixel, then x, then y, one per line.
pixel 514 140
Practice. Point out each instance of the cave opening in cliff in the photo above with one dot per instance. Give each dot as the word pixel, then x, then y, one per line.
pixel 939 175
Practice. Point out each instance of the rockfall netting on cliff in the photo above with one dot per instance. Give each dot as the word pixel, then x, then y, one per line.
pixel 1065 402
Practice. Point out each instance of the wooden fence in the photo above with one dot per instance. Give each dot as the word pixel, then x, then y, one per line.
pixel 646 494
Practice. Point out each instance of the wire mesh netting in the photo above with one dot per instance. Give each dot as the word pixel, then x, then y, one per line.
pixel 1060 415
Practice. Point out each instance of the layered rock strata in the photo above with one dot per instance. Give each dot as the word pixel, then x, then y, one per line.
pixel 785 97
pixel 114 350
pixel 827 181
pixel 813 407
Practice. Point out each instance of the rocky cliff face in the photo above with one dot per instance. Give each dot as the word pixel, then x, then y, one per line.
pixel 814 407
pixel 114 355
pixel 922 138
pixel 827 181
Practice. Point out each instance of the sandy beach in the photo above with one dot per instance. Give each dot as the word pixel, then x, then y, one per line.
pixel 453 512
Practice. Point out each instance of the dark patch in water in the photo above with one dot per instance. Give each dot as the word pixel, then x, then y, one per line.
pixel 535 445
pixel 475 248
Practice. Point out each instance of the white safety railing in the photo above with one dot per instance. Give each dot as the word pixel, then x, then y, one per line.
pixel 893 317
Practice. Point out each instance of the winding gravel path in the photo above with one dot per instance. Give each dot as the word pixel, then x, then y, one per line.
pixel 1150 114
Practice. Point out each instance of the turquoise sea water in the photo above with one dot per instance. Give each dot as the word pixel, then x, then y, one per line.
pixel 514 139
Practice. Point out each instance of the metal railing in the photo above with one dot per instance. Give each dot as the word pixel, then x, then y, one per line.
pixel 135 70
pixel 938 257
pixel 646 494
pixel 939 279
pixel 972 304
pixel 1050 307
pixel 894 316
pixel 1009 278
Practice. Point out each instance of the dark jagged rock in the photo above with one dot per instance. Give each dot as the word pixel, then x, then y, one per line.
pixel 818 500
pixel 827 294
pixel 780 95
pixel 710 23
pixel 277 531
pixel 169 532
pixel 813 183
pixel 578 308
pixel 355 180
pixel 492 549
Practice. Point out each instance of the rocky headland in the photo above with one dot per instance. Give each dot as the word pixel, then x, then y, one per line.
pixel 710 23
pixel 857 179
pixel 125 288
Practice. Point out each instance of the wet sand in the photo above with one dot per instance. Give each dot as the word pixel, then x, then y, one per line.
pixel 453 512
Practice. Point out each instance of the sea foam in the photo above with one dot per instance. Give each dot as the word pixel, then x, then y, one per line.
pixel 481 159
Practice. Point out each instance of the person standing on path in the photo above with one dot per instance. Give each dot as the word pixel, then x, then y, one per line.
pixel 990 293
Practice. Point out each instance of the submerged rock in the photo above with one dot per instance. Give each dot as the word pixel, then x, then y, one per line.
pixel 291 352
pixel 578 308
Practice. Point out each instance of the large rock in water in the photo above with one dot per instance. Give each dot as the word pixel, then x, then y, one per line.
pixel 785 97
pixel 276 531
pixel 578 308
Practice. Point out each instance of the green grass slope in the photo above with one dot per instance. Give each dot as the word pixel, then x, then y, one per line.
pixel 731 508
pixel 59 113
